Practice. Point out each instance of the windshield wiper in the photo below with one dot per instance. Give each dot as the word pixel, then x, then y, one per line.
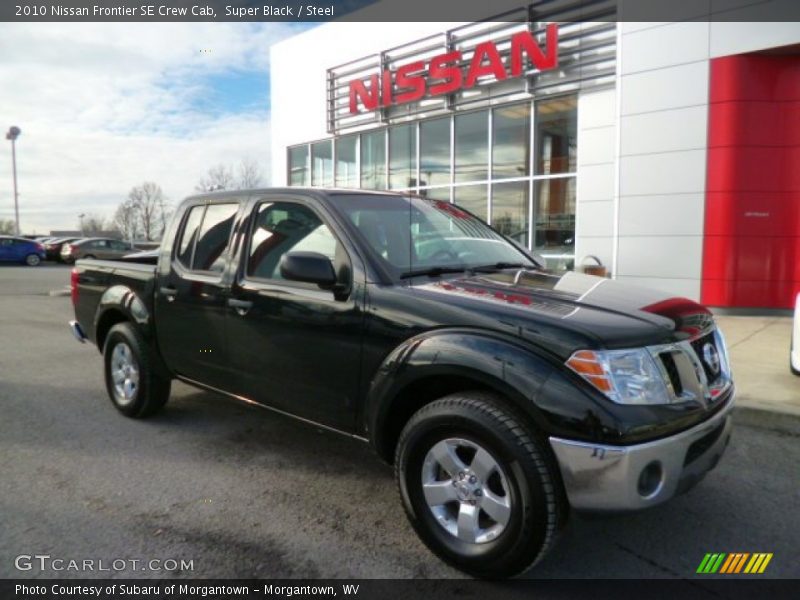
pixel 499 266
pixel 432 271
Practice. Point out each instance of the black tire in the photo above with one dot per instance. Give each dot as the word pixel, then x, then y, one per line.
pixel 90 256
pixel 538 505
pixel 33 260
pixel 152 388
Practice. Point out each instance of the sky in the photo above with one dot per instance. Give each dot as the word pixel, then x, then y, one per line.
pixel 105 107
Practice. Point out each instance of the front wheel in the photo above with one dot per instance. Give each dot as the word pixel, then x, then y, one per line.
pixel 478 487
pixel 33 260
pixel 134 384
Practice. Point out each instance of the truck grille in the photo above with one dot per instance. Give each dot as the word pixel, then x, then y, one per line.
pixel 672 372
pixel 695 369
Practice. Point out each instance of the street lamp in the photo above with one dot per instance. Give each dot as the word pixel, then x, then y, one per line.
pixel 80 217
pixel 13 134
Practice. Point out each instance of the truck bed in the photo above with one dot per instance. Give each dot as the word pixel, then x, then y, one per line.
pixel 109 278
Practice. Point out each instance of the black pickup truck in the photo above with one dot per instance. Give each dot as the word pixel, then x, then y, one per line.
pixel 504 395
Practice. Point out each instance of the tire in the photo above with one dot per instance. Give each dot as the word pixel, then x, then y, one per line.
pixel 33 260
pixel 521 485
pixel 91 256
pixel 134 384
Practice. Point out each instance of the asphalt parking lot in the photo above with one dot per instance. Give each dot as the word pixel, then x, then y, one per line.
pixel 245 493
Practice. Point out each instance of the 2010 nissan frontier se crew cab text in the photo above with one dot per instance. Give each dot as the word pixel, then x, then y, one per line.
pixel 504 395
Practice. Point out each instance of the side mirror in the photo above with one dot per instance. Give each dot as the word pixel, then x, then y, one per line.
pixel 310 267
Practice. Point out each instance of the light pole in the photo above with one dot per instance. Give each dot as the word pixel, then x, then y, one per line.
pixel 13 134
pixel 80 217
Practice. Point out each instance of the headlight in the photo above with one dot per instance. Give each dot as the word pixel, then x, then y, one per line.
pixel 624 376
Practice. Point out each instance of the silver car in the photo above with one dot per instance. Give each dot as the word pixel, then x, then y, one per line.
pixel 102 248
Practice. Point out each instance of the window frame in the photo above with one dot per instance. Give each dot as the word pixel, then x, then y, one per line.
pixel 244 279
pixel 210 276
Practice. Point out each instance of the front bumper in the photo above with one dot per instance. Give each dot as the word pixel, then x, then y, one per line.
pixel 618 478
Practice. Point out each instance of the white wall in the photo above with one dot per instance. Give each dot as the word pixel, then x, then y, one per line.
pixel 594 212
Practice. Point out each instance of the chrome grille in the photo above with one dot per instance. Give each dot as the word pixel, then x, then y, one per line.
pixel 688 375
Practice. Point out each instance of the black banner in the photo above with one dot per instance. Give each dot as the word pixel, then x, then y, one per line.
pixel 208 589
pixel 396 10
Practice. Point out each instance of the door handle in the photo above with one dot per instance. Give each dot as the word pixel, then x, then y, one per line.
pixel 168 292
pixel 241 306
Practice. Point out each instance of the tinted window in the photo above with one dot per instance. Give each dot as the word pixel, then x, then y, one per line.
pixel 511 141
pixel 189 236
pixel 346 162
pixel 299 166
pixel 556 135
pixel 472 146
pixel 282 227
pixel 510 210
pixel 434 152
pixel 322 164
pixel 212 241
pixel 403 156
pixel 373 160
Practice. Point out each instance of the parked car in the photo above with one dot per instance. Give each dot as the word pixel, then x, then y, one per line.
pixel 505 396
pixel 94 248
pixel 53 246
pixel 794 351
pixel 21 250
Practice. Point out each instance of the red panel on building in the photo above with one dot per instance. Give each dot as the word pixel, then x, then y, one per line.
pixel 751 251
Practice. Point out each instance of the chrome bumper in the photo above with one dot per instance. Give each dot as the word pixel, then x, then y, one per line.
pixel 76 330
pixel 613 478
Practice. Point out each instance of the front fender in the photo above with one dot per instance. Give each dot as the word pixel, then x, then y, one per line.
pixel 516 371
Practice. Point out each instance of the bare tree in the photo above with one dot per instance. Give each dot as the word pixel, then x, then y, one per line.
pixel 126 220
pixel 249 174
pixel 92 224
pixel 148 202
pixel 164 215
pixel 7 227
pixel 219 177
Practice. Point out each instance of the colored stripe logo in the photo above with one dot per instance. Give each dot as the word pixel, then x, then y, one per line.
pixel 735 562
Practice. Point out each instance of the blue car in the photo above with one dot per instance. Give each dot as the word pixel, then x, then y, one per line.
pixel 15 249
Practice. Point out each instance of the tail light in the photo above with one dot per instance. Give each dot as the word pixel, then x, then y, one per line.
pixel 73 283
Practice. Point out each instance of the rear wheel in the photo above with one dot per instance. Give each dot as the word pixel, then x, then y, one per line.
pixel 134 384
pixel 90 256
pixel 33 260
pixel 478 486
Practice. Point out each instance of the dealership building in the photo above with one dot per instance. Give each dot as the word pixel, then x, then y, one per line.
pixel 667 152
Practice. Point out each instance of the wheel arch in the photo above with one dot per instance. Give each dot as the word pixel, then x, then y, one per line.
pixel 443 362
pixel 118 304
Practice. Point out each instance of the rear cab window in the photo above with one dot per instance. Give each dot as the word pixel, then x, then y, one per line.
pixel 205 236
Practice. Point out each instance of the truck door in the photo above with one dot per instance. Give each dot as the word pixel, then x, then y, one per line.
pixel 293 345
pixel 191 294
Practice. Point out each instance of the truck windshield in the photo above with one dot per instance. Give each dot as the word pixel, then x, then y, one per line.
pixel 414 235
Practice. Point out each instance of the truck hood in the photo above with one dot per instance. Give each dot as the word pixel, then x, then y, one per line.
pixel 571 311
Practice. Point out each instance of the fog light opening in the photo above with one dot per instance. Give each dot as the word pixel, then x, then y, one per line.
pixel 650 480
